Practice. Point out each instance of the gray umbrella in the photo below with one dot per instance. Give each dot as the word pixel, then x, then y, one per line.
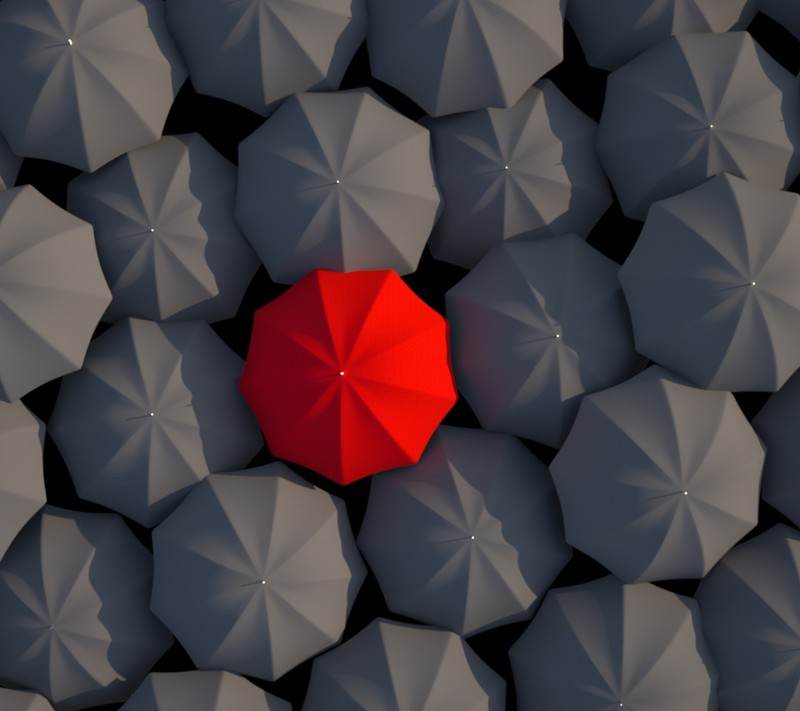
pixel 522 172
pixel 22 491
pixel 53 290
pixel 535 326
pixel 155 408
pixel 750 603
pixel 604 645
pixel 391 666
pixel 256 53
pixel 84 81
pixel 13 700
pixel 470 537
pixel 163 221
pixel 74 618
pixel 336 181
pixel 613 32
pixel 658 479
pixel 462 56
pixel 695 106
pixel 9 165
pixel 712 285
pixel 201 691
pixel 256 571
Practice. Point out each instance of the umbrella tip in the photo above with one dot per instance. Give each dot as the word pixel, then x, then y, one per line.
pixel 341 372
pixel 152 414
pixel 752 283
pixel 263 582
pixel 472 538
pixel 338 181
pixel 686 493
pixel 69 41
pixel 711 125
pixel 152 229
pixel 505 167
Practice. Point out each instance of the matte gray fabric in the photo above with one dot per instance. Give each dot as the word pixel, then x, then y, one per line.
pixel 54 291
pixel 74 618
pixel 256 571
pixel 257 52
pixel 9 165
pixel 534 327
pixel 613 32
pixel 12 700
pixel 391 666
pixel 470 537
pixel 658 479
pixel 695 106
pixel 712 285
pixel 22 491
pixel 463 56
pixel 201 691
pixel 155 409
pixel 750 604
pixel 785 13
pixel 163 222
pixel 84 81
pixel 336 181
pixel 605 645
pixel 523 172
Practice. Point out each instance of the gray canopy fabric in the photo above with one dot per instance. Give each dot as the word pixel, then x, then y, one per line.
pixel 534 327
pixel 463 56
pixel 74 617
pixel 750 604
pixel 657 479
pixel 695 106
pixel 391 666
pixel 257 52
pixel 712 285
pixel 470 537
pixel 785 13
pixel 84 81
pixel 155 408
pixel 9 165
pixel 163 221
pixel 22 491
pixel 522 172
pixel 605 645
pixel 53 290
pixel 336 181
pixel 613 32
pixel 256 571
pixel 13 700
pixel 201 691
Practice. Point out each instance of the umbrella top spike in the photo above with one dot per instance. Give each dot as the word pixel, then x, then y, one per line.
pixel 69 41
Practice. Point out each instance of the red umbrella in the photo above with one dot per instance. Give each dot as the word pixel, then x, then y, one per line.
pixel 349 373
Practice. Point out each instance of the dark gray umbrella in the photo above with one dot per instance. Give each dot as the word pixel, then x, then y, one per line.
pixel 9 165
pixel 694 106
pixel 604 645
pixel 750 604
pixel 13 700
pixel 256 571
pixel 163 221
pixel 470 537
pixel 391 666
pixel 155 408
pixel 74 617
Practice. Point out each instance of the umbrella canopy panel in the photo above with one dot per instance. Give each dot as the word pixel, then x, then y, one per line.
pixel 522 172
pixel 84 81
pixel 13 700
pixel 9 165
pixel 695 106
pixel 336 181
pixel 52 290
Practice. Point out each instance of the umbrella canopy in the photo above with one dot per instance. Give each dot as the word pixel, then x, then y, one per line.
pixel 712 285
pixel 537 325
pixel 9 165
pixel 605 645
pixel 22 491
pixel 84 81
pixel 201 691
pixel 785 13
pixel 256 571
pixel 750 604
pixel 612 33
pixel 74 617
pixel 522 172
pixel 462 56
pixel 657 479
pixel 257 52
pixel 470 537
pixel 336 181
pixel 154 409
pixel 163 221
pixel 695 106
pixel 12 700
pixel 52 288
pixel 348 374
pixel 390 666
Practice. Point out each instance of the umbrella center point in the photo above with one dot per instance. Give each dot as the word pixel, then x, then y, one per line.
pixel 152 414
pixel 686 493
pixel 752 283
pixel 711 125
pixel 152 229
pixel 341 372
pixel 69 41
pixel 505 167
pixel 472 538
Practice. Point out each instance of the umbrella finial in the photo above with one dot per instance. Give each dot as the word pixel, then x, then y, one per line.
pixel 69 41
pixel 338 181
pixel 711 125
pixel 472 538
pixel 341 372
pixel 752 283
pixel 152 229
pixel 686 493
pixel 152 414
